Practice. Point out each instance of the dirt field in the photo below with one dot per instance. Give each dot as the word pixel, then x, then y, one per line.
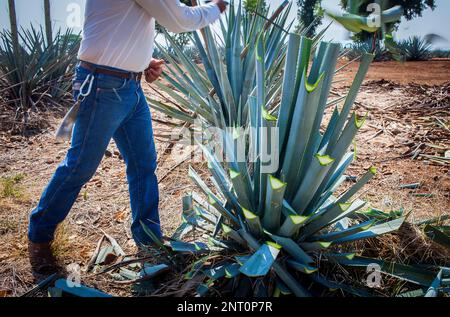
pixel 434 72
pixel 404 108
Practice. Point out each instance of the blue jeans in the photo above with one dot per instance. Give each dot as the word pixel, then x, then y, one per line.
pixel 116 108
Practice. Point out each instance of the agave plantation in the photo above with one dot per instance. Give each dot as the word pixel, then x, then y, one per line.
pixel 275 211
pixel 415 49
pixel 287 214
pixel 36 75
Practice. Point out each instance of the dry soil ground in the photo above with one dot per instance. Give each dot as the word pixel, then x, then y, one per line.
pixel 401 126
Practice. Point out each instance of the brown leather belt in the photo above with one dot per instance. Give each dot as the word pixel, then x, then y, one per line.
pixel 100 70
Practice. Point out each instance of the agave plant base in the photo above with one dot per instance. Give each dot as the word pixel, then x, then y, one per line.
pixel 210 273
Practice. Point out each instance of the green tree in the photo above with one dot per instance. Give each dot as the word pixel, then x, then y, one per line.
pixel 252 5
pixel 309 15
pixel 411 9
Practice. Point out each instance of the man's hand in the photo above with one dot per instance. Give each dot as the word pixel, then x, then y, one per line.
pixel 154 70
pixel 221 4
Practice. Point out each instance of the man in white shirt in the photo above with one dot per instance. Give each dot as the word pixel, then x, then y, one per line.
pixel 117 47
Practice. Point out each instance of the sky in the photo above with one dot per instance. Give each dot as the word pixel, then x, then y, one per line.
pixel 70 11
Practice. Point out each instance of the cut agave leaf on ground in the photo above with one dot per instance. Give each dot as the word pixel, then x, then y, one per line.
pixel 433 290
pixel 78 290
pixel 416 293
pixel 154 270
pixel 196 268
pixel 432 221
pixel 205 215
pixel 261 261
pixel 404 272
pixel 444 229
pixel 41 285
pixel 105 256
pixel 379 214
pixel 182 231
pixel 153 237
pixel 198 223
pixel 126 274
pixel 196 247
pixel 438 236
pixel 335 285
pixel 54 292
pixel 117 249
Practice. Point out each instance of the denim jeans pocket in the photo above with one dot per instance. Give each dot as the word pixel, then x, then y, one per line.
pixel 106 83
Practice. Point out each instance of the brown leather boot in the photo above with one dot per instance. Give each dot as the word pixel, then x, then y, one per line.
pixel 41 258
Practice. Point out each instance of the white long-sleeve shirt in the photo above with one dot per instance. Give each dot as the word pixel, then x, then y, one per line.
pixel 121 33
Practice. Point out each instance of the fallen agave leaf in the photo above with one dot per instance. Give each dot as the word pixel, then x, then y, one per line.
pixel 78 291
pixel 154 270
pixel 437 235
pixel 410 186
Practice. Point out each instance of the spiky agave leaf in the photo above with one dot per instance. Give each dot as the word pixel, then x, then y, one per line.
pixel 217 91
